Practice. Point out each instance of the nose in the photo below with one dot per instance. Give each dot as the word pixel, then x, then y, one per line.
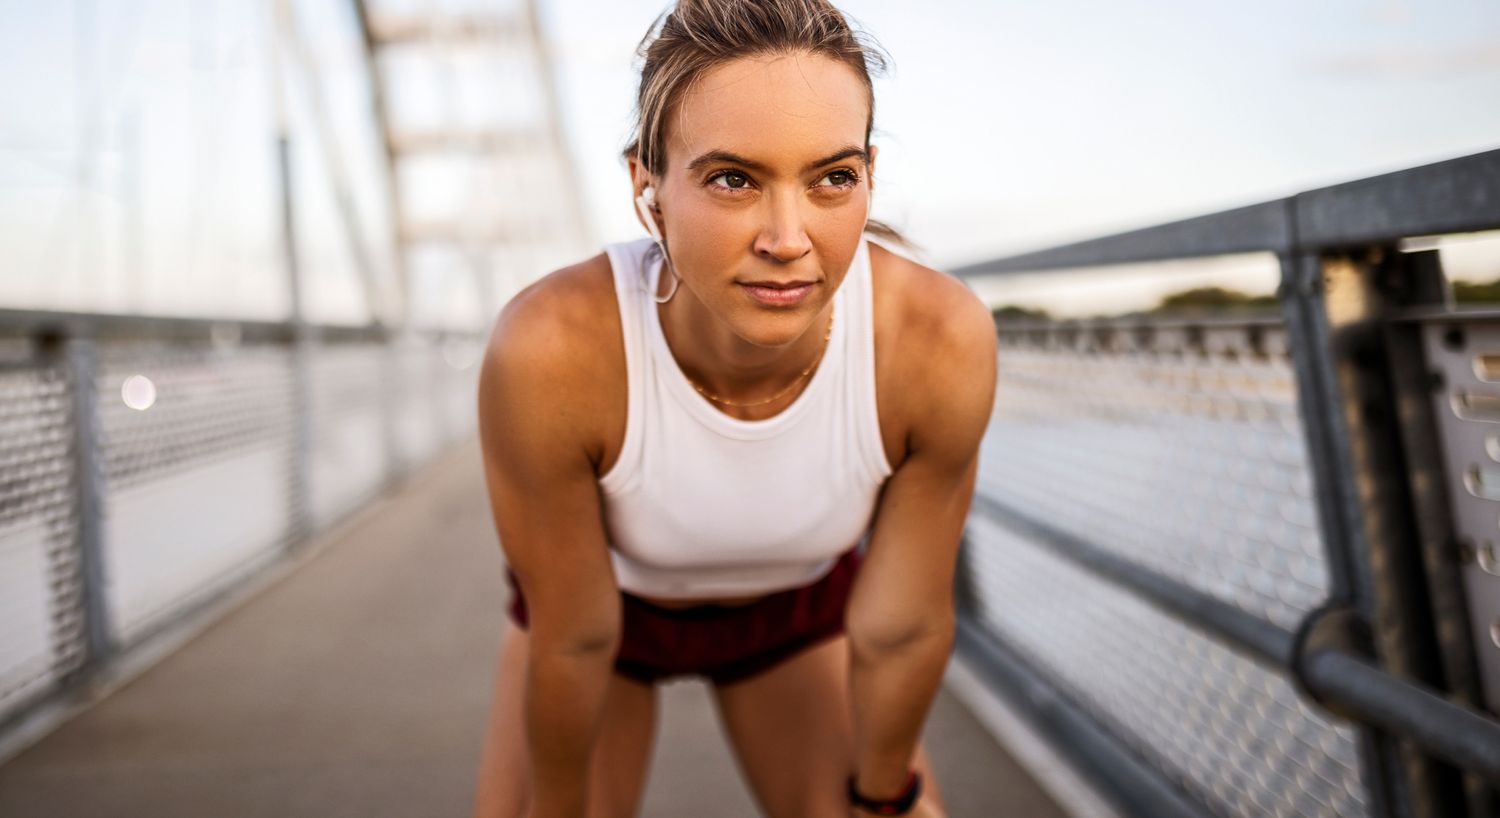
pixel 784 236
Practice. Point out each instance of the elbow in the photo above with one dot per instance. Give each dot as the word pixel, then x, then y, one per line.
pixel 575 624
pixel 604 638
pixel 600 644
pixel 571 636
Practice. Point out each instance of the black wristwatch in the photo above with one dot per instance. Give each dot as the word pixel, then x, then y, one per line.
pixel 900 805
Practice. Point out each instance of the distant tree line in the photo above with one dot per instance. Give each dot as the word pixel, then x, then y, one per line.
pixel 1201 300
pixel 1476 291
pixel 1197 300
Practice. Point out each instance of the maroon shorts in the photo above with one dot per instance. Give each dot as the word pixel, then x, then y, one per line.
pixel 725 643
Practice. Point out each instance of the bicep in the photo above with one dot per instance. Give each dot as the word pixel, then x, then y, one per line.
pixel 905 584
pixel 544 498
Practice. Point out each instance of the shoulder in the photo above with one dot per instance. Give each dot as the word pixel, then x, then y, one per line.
pixel 556 345
pixel 939 347
pixel 558 316
pixel 930 309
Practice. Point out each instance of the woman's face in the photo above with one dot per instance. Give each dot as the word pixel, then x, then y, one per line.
pixel 766 181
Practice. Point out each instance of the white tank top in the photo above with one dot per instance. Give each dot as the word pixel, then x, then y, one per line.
pixel 701 504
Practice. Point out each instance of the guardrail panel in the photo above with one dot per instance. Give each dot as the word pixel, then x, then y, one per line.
pixel 196 447
pixel 1178 448
pixel 1232 733
pixel 41 633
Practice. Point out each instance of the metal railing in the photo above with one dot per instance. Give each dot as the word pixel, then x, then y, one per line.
pixel 1360 600
pixel 149 466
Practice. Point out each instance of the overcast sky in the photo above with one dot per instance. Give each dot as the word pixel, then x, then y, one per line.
pixel 137 170
pixel 1007 126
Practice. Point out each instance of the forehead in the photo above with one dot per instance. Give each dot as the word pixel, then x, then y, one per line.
pixel 782 110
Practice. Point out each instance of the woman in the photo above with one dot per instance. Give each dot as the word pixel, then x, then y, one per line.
pixel 685 441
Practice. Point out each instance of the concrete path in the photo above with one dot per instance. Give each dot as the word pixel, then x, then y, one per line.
pixel 358 684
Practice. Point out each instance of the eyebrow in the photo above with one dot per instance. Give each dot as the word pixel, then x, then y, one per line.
pixel 735 159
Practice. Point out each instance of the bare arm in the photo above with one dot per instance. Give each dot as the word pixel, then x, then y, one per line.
pixel 900 615
pixel 545 501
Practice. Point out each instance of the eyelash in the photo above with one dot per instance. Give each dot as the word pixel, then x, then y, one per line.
pixel 853 179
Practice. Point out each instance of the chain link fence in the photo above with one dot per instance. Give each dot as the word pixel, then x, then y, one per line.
pixel 148 466
pixel 1177 447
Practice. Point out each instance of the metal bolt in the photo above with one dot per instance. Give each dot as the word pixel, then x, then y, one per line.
pixel 1488 559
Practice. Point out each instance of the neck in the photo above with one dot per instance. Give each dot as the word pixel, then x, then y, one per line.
pixel 714 357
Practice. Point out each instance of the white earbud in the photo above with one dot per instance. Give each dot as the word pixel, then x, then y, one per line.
pixel 644 203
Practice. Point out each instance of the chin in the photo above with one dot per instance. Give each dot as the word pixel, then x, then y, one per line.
pixel 765 328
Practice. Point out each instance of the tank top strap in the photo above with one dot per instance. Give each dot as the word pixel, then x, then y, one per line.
pixel 627 261
pixel 859 285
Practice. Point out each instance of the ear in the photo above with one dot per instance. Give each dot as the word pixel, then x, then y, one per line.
pixel 638 176
pixel 639 179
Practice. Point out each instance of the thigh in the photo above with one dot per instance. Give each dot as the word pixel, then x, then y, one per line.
pixel 792 731
pixel 617 769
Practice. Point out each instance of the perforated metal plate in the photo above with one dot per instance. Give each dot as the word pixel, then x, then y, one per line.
pixel 1467 411
pixel 41 627
pixel 197 481
pixel 195 441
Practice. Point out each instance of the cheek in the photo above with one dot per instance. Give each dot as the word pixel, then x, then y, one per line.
pixel 706 222
pixel 710 238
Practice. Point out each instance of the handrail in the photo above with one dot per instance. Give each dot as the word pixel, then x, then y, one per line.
pixel 1452 196
pixel 63 322
pixel 1389 697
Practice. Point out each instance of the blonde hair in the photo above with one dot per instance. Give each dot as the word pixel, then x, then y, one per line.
pixel 685 42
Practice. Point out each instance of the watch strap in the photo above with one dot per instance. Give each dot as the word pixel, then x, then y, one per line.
pixel 900 805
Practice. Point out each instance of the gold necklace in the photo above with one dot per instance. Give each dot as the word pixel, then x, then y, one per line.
pixel 716 399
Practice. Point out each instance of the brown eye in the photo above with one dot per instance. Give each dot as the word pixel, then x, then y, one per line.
pixel 844 179
pixel 734 181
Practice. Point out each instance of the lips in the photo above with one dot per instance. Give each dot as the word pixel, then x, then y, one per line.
pixel 777 285
pixel 778 294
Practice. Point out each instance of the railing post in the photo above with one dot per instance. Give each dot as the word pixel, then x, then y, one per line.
pixel 81 357
pixel 299 488
pixel 1301 296
pixel 299 515
pixel 396 467
pixel 1448 656
pixel 1335 309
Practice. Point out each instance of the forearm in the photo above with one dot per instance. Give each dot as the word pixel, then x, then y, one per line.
pixel 565 693
pixel 892 688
